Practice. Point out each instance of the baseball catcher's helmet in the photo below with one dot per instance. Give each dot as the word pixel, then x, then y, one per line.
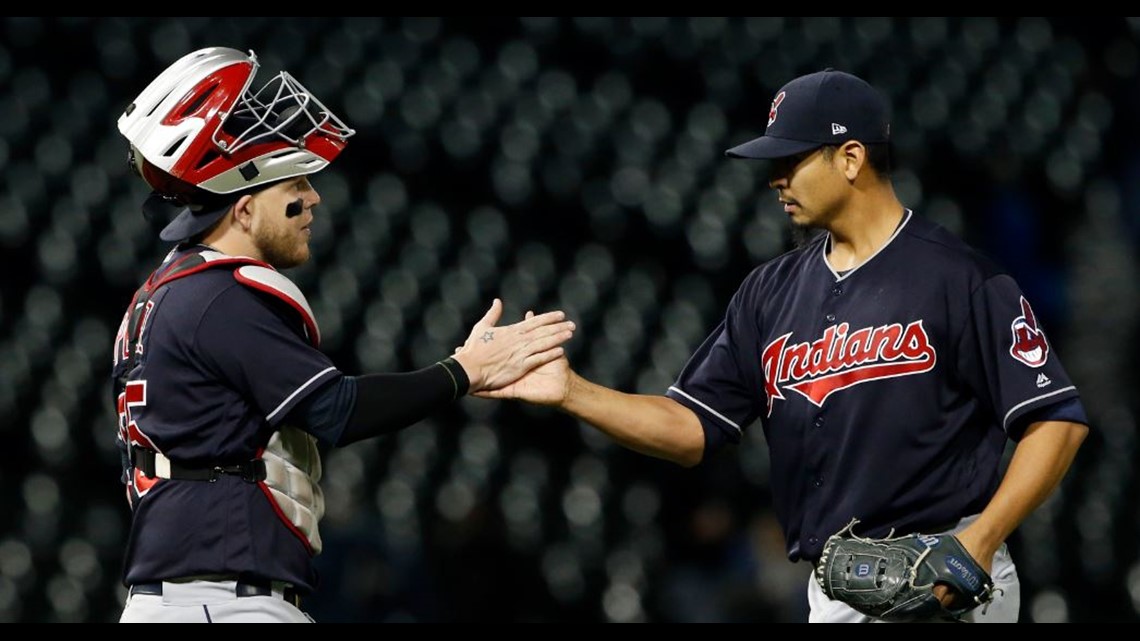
pixel 198 126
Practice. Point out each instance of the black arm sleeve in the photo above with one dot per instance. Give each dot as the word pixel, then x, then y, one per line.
pixel 390 402
pixel 354 408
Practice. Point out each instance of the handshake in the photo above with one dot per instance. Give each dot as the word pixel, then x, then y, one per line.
pixel 523 361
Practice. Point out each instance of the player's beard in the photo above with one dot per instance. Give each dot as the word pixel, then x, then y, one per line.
pixel 802 235
pixel 281 245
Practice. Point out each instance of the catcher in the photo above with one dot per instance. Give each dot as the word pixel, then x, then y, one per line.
pixel 888 364
pixel 225 400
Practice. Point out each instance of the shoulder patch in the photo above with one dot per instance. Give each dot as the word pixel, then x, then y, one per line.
pixel 1029 345
pixel 270 281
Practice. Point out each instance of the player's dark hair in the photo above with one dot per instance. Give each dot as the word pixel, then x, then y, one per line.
pixel 878 157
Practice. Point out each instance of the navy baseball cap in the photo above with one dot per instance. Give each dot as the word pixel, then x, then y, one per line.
pixel 827 107
pixel 187 221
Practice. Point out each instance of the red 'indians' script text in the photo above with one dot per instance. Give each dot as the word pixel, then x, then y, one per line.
pixel 840 359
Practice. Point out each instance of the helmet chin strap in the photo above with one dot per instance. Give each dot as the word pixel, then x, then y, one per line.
pixel 294 209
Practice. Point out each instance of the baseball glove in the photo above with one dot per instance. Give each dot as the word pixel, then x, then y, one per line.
pixel 893 578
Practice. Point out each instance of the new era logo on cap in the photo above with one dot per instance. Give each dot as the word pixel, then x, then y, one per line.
pixel 822 108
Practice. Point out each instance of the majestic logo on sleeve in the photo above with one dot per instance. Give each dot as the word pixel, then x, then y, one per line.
pixel 841 358
pixel 1029 345
pixel 774 111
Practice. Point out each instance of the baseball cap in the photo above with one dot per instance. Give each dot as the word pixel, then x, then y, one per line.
pixel 822 108
pixel 187 220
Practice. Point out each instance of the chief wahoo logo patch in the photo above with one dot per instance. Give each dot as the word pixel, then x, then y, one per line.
pixel 775 110
pixel 1029 344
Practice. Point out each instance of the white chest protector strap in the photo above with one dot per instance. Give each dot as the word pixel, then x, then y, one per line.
pixel 292 476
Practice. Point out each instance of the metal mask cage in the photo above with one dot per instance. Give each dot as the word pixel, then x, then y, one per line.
pixel 283 109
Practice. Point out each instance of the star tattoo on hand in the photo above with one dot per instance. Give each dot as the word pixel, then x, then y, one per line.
pixel 487 337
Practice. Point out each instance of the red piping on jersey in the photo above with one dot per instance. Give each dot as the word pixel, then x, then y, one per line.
pixel 310 324
pixel 281 515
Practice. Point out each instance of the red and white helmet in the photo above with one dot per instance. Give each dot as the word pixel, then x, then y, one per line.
pixel 198 125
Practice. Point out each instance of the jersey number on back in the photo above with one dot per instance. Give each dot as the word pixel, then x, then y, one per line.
pixel 134 396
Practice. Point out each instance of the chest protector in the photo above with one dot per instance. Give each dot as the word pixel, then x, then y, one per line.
pixel 292 477
pixel 292 463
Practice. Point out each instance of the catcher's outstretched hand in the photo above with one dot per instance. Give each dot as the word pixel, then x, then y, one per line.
pixel 497 355
pixel 894 579
pixel 547 384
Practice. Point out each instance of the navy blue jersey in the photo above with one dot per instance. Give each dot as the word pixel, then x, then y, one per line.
pixel 885 394
pixel 221 365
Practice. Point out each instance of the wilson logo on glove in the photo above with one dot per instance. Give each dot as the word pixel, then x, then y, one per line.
pixel 956 565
